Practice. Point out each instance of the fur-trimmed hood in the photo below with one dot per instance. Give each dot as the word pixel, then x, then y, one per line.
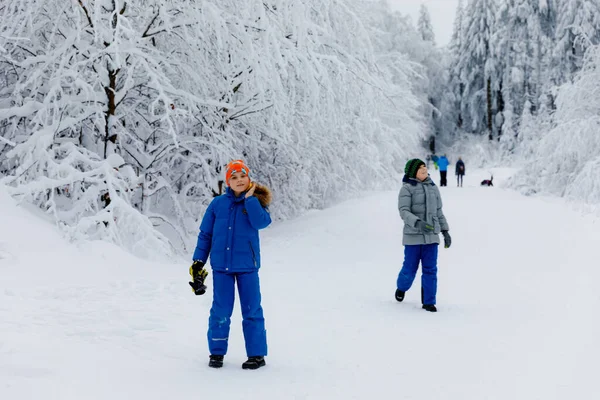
pixel 263 194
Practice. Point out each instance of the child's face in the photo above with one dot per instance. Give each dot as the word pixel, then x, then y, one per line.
pixel 422 173
pixel 239 182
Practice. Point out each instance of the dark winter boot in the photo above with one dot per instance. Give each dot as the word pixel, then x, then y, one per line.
pixel 215 361
pixel 254 363
pixel 429 307
pixel 399 295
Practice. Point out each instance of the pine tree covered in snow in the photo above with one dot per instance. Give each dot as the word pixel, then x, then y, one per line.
pixel 547 16
pixel 424 25
pixel 455 85
pixel 578 28
pixel 521 42
pixel 477 67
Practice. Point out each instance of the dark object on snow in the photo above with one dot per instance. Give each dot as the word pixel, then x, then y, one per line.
pixel 400 295
pixel 429 307
pixel 215 361
pixel 254 363
pixel 488 182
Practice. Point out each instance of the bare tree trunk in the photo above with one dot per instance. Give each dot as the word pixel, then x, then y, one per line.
pixel 489 108
pixel 500 108
pixel 459 121
pixel 110 91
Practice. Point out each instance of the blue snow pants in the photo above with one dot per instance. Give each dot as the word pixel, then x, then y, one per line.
pixel 253 322
pixel 427 254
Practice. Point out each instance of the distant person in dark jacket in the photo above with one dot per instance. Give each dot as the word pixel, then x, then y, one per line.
pixel 460 172
pixel 229 233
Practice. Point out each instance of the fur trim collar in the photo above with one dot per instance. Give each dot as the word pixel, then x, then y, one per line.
pixel 263 194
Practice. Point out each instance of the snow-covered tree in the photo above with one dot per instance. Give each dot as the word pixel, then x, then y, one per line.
pixel 565 160
pixel 477 67
pixel 578 28
pixel 84 80
pixel 400 43
pixel 453 101
pixel 424 25
pixel 524 31
pixel 548 12
pixel 118 115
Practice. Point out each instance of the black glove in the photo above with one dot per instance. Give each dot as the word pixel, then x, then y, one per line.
pixel 198 274
pixel 447 239
pixel 424 227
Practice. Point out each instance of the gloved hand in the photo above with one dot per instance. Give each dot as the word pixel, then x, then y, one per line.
pixel 198 274
pixel 424 227
pixel 447 239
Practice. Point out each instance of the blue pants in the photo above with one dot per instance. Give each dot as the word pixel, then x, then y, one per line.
pixel 253 323
pixel 427 255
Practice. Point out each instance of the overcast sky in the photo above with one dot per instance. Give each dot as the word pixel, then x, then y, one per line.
pixel 441 11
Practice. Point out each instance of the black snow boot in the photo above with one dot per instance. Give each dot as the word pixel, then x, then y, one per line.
pixel 215 361
pixel 254 363
pixel 429 307
pixel 399 295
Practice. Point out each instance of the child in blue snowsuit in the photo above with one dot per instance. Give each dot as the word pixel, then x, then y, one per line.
pixel 420 207
pixel 229 233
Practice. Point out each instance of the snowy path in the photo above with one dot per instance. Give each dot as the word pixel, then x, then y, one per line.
pixel 517 298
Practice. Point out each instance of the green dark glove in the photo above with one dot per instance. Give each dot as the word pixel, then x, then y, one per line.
pixel 447 239
pixel 424 227
pixel 198 274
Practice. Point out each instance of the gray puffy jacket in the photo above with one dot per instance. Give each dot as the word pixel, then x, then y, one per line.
pixel 421 201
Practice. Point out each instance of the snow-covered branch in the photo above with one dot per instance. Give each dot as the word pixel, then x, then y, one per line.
pixel 120 111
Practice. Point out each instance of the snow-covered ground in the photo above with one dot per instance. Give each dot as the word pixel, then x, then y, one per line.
pixel 518 309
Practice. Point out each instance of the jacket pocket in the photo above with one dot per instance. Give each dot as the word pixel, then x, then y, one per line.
pixel 411 230
pixel 437 228
pixel 252 251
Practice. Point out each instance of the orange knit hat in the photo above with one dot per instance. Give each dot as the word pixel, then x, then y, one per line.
pixel 235 166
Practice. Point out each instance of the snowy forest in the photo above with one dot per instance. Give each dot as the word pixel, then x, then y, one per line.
pixel 117 117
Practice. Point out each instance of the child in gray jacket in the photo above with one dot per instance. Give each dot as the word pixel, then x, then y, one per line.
pixel 420 206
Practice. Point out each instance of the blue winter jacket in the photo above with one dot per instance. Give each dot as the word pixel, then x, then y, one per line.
pixel 229 233
pixel 443 163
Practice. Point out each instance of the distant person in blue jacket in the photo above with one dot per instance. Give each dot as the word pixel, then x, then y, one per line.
pixel 229 233
pixel 443 163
